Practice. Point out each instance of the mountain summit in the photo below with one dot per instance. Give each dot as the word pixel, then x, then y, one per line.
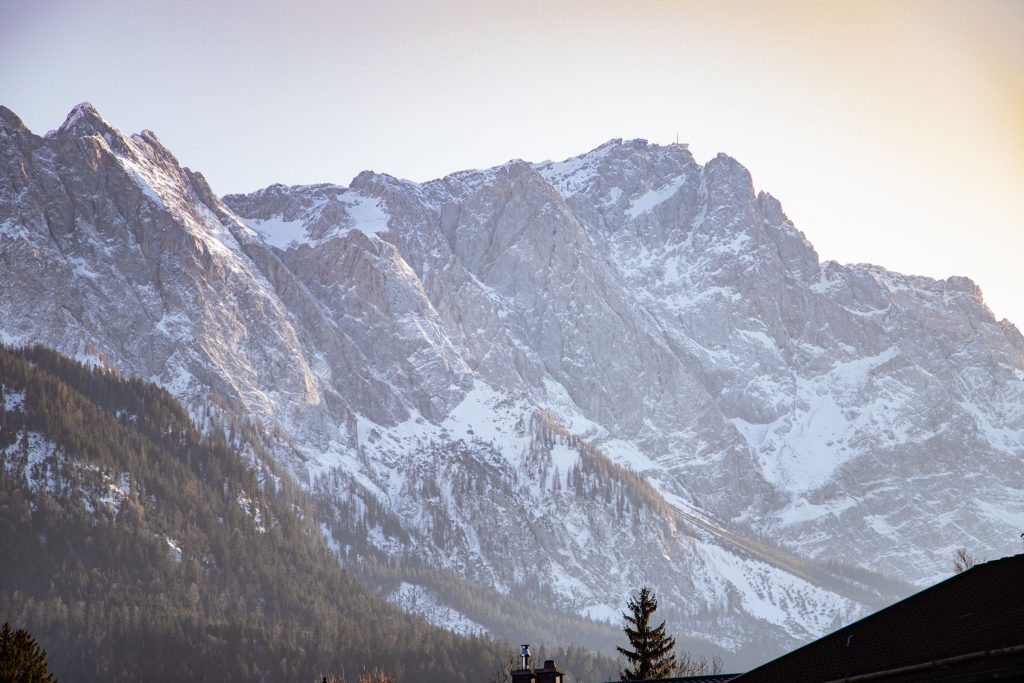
pixel 84 120
pixel 559 381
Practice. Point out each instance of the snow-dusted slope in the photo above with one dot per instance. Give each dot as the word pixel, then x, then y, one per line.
pixel 457 366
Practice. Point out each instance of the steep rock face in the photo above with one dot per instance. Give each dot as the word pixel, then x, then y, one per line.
pixel 456 366
pixel 118 257
pixel 670 313
pixel 129 258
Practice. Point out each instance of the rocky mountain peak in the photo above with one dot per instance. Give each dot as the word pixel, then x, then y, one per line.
pixel 11 122
pixel 372 184
pixel 83 120
pixel 771 209
pixel 966 284
pixel 157 147
pixel 617 170
pixel 731 178
pixel 285 201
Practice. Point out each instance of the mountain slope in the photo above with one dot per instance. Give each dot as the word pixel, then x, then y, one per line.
pixel 809 385
pixel 804 389
pixel 469 373
pixel 139 549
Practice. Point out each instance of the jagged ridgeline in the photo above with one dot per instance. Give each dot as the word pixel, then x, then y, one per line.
pixel 136 548
pixel 396 346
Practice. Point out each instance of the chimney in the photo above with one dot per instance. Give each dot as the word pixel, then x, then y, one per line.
pixel 524 674
pixel 550 673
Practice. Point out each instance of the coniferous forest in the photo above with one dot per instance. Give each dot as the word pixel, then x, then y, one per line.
pixel 133 546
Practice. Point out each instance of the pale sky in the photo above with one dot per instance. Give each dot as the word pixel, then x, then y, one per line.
pixel 892 132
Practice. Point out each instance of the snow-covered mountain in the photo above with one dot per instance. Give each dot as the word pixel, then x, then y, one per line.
pixel 559 380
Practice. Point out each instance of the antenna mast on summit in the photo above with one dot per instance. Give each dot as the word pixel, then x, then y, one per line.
pixel 677 138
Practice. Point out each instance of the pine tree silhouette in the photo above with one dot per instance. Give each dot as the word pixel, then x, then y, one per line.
pixel 21 660
pixel 651 656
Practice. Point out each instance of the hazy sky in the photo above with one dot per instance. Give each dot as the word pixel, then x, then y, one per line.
pixel 892 132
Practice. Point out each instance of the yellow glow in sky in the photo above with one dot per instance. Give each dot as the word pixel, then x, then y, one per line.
pixel 892 132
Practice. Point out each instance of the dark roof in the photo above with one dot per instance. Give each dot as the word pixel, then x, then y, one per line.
pixel 975 619
pixel 710 678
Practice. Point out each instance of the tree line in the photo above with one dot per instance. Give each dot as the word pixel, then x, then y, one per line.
pixel 126 552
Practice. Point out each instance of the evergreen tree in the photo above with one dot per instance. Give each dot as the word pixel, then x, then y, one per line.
pixel 21 660
pixel 651 656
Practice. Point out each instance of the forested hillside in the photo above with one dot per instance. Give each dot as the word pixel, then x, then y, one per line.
pixel 134 547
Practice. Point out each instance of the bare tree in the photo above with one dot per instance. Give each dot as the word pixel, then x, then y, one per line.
pixel 963 560
pixel 375 676
pixel 503 674
pixel 688 665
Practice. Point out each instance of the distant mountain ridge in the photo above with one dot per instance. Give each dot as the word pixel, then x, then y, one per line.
pixel 469 371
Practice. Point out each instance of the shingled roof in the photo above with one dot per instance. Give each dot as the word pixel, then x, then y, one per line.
pixel 969 627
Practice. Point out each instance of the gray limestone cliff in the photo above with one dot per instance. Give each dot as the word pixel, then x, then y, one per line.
pixel 628 363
